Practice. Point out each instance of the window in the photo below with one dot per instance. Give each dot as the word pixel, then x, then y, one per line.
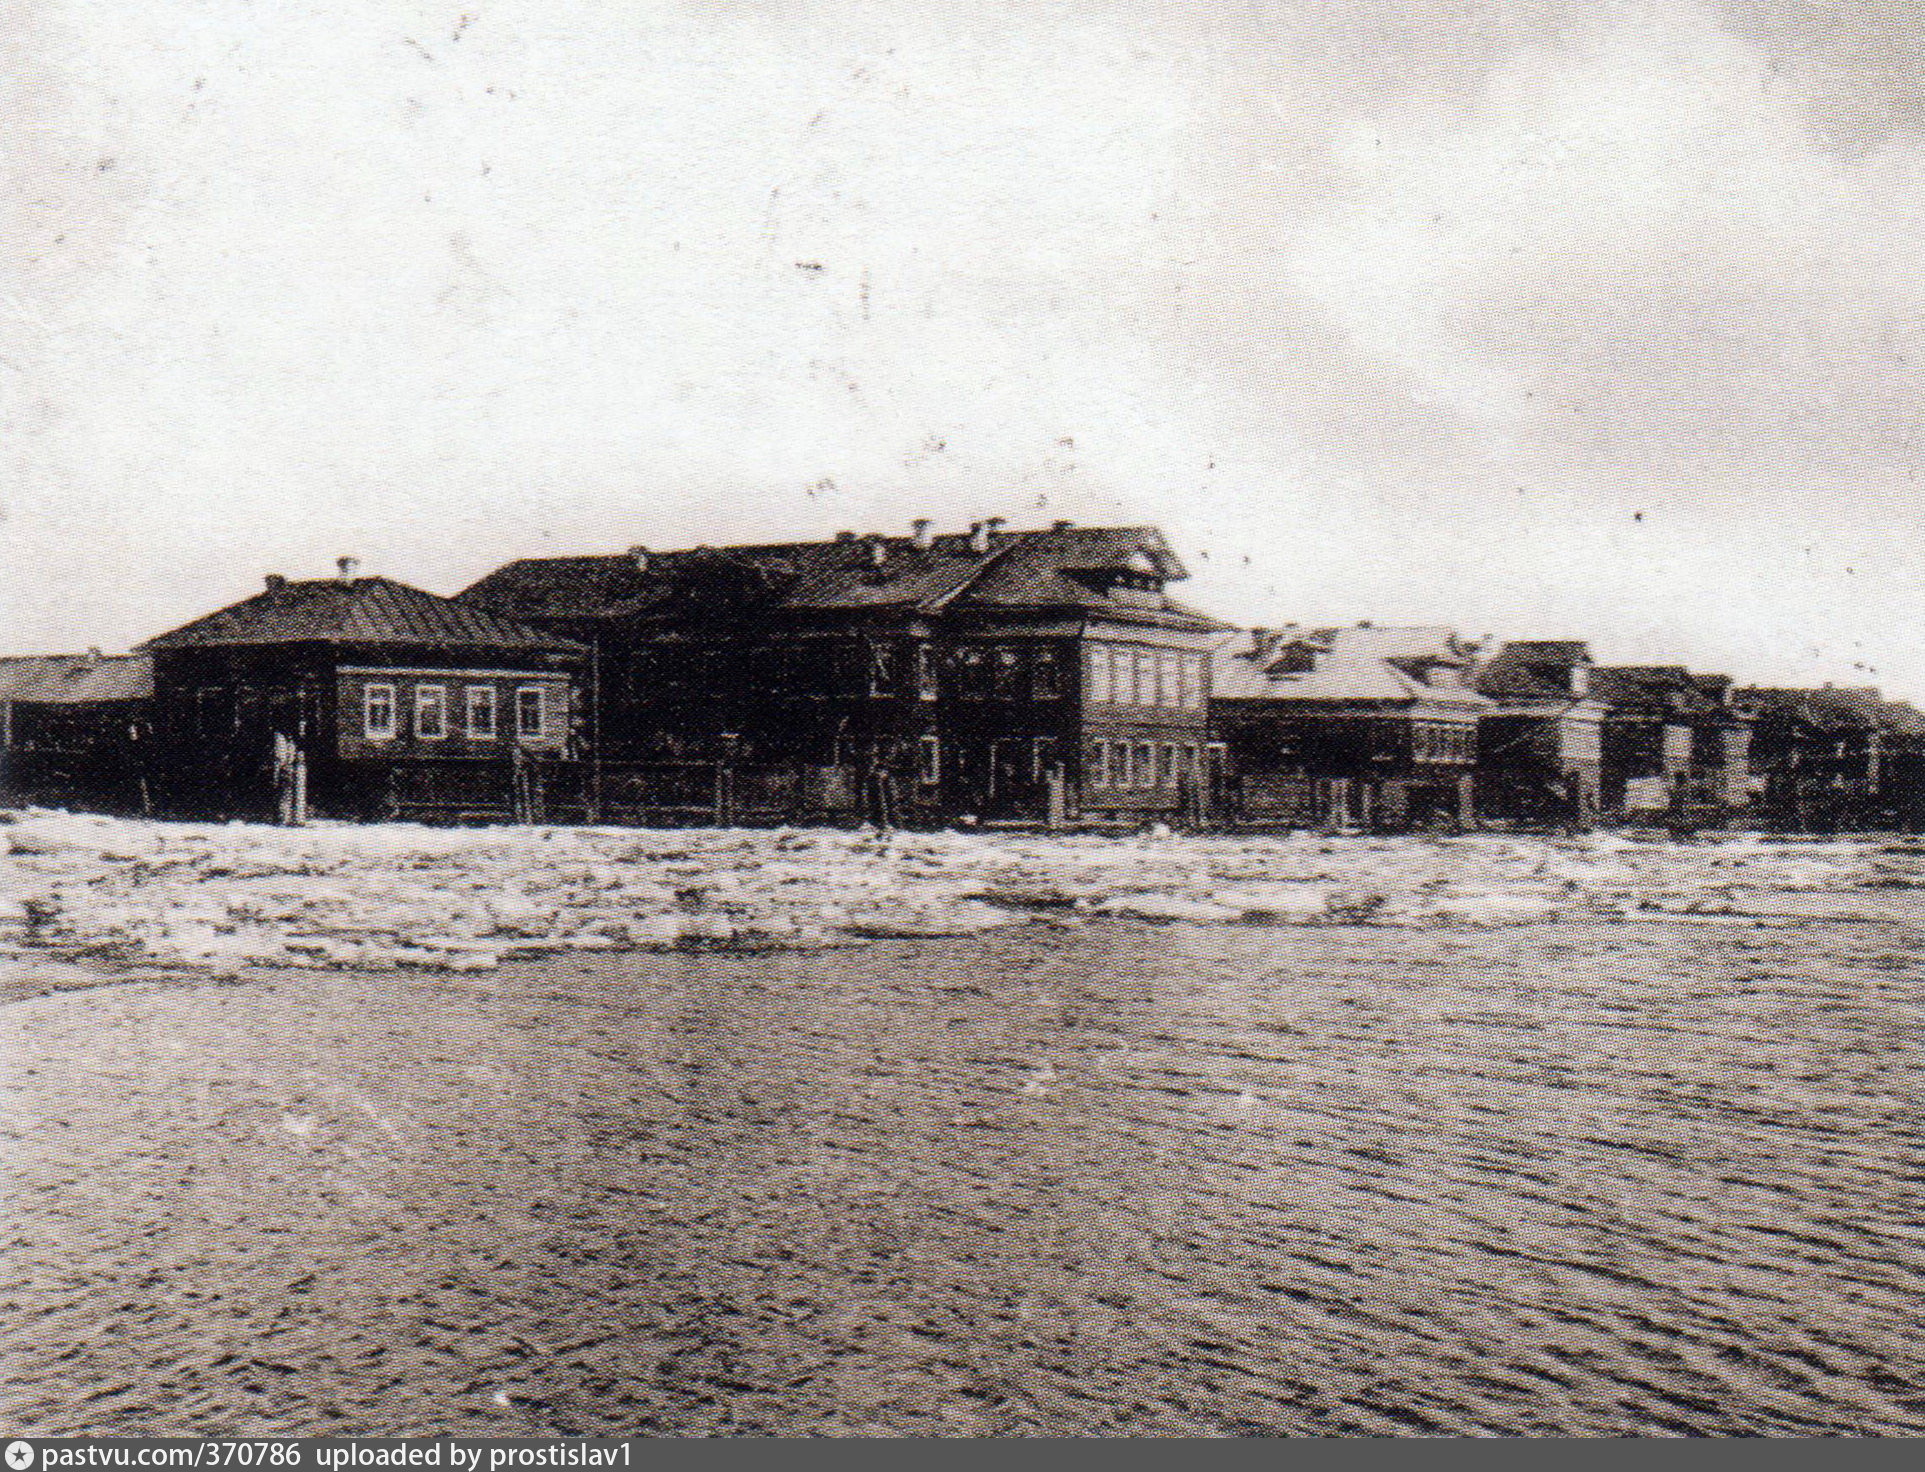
pixel 430 712
pixel 1145 764
pixel 377 712
pixel 1124 769
pixel 1122 677
pixel 1099 764
pixel 882 669
pixel 1169 764
pixel 1099 675
pixel 925 672
pixel 1193 763
pixel 1007 665
pixel 929 761
pixel 1191 694
pixel 528 712
pixel 1166 682
pixel 1145 678
pixel 1045 675
pixel 1042 754
pixel 971 674
pixel 481 712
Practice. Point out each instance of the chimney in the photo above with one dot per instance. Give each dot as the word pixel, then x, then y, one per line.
pixel 1061 524
pixel 275 582
pixel 878 550
pixel 995 524
pixel 93 654
pixel 845 536
pixel 638 555
pixel 919 534
pixel 978 536
pixel 348 566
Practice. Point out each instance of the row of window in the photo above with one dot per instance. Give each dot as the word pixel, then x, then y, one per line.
pixel 1144 677
pixel 1440 743
pixel 1141 765
pixel 380 713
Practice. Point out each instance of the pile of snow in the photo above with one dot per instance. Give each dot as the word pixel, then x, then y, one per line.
pixel 229 896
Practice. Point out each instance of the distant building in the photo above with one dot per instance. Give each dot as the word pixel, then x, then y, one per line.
pixel 995 674
pixel 1374 727
pixel 1540 745
pixel 1675 744
pixel 1834 758
pixel 74 731
pixel 354 697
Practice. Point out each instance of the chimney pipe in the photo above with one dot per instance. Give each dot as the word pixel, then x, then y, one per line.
pixel 1061 524
pixel 275 582
pixel 995 524
pixel 638 555
pixel 845 536
pixel 919 533
pixel 878 550
pixel 978 536
pixel 348 566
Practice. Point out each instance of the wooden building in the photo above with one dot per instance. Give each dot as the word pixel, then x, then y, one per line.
pixel 74 731
pixel 356 697
pixel 1540 745
pixel 1367 727
pixel 992 674
pixel 1834 759
pixel 1676 747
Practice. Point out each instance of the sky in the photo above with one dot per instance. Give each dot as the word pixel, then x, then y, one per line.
pixel 1538 319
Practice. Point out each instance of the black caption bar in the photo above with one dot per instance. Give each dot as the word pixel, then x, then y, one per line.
pixel 315 1453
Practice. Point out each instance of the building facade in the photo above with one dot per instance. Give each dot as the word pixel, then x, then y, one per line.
pixel 992 674
pixel 355 697
pixel 1367 727
pixel 1540 745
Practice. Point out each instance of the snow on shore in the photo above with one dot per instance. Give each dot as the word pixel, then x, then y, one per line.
pixel 225 896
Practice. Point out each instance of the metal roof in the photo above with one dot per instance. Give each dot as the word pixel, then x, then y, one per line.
pixel 364 611
pixel 1057 568
pixel 75 679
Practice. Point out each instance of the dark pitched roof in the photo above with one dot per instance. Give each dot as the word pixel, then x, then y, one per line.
pixel 1532 670
pixel 365 611
pixel 75 679
pixel 1062 567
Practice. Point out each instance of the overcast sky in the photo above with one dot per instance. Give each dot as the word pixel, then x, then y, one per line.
pixel 1539 319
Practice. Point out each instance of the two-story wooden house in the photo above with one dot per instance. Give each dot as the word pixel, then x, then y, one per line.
pixel 1540 750
pixel 1366 726
pixel 990 674
pixel 354 697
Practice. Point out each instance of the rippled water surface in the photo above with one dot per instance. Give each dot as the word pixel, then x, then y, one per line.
pixel 1651 1172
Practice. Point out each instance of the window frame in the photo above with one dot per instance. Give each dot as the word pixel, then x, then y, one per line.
pixel 369 731
pixel 1100 689
pixel 1146 766
pixel 470 705
pixel 522 730
pixel 433 696
pixel 929 761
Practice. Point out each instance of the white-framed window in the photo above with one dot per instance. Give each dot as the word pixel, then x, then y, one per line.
pixel 1193 763
pixel 430 712
pixel 1123 769
pixel 529 717
pixel 1169 764
pixel 377 712
pixel 1167 693
pixel 481 712
pixel 929 761
pixel 1099 675
pixel 1145 663
pixel 1146 764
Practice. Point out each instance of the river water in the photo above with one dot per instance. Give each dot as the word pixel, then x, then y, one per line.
pixel 1656 1175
